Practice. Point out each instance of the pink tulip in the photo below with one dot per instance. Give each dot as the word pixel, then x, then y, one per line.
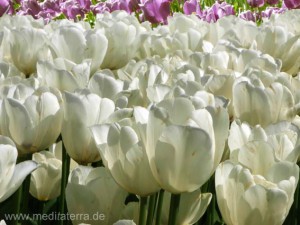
pixel 247 15
pixel 155 11
pixel 256 3
pixel 6 7
pixel 292 4
pixel 191 6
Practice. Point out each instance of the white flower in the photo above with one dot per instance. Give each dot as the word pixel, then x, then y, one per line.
pixel 35 123
pixel 11 174
pixel 246 198
pixel 45 180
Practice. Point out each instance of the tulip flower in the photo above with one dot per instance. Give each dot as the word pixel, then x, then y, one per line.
pixel 64 74
pixel 2 222
pixel 191 6
pixel 89 45
pixel 256 3
pixel 105 85
pixel 6 7
pixel 124 33
pixel 178 144
pixel 155 11
pixel 83 109
pixel 292 4
pixel 272 104
pixel 246 198
pixel 272 2
pixel 282 137
pixel 33 124
pixel 93 191
pixel 12 175
pixel 27 46
pixel 123 152
pixel 45 181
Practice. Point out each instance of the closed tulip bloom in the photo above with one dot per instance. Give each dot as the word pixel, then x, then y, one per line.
pixel 83 109
pixel 11 174
pixel 256 3
pixel 35 123
pixel 156 11
pixel 282 137
pixel 89 45
pixel 272 104
pixel 2 222
pixel 244 198
pixel 28 45
pixel 292 4
pixel 178 144
pixel 124 154
pixel 45 181
pixel 92 192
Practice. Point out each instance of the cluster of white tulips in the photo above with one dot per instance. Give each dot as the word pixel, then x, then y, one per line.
pixel 166 110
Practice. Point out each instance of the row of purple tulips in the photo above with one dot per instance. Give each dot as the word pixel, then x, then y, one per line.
pixel 154 11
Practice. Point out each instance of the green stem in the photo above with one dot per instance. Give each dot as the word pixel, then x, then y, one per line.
pixel 17 198
pixel 296 207
pixel 40 209
pixel 143 210
pixel 25 197
pixel 64 180
pixel 174 208
pixel 151 208
pixel 159 206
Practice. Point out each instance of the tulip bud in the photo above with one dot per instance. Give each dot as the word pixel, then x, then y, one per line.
pixel 45 181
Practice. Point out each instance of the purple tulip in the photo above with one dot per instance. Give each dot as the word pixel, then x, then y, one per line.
pixel 6 7
pixel 191 6
pixel 292 4
pixel 217 11
pixel 72 8
pixel 155 11
pixel 272 2
pixel 247 15
pixel 256 3
pixel 30 7
pixel 110 6
pixel 272 10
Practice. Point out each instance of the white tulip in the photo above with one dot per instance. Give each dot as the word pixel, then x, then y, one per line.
pixel 89 45
pixel 27 46
pixel 179 144
pixel 93 191
pixel 245 198
pixel 256 104
pixel 122 150
pixel 11 174
pixel 45 180
pixel 83 109
pixel 123 33
pixel 35 123
pixel 64 74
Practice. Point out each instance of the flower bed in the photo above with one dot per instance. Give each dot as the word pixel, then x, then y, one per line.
pixel 201 117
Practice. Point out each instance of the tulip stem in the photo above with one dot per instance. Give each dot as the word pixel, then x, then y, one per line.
pixel 143 210
pixel 64 180
pixel 159 206
pixel 174 208
pixel 151 208
pixel 17 197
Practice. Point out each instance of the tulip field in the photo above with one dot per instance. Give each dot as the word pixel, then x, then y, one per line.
pixel 149 112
